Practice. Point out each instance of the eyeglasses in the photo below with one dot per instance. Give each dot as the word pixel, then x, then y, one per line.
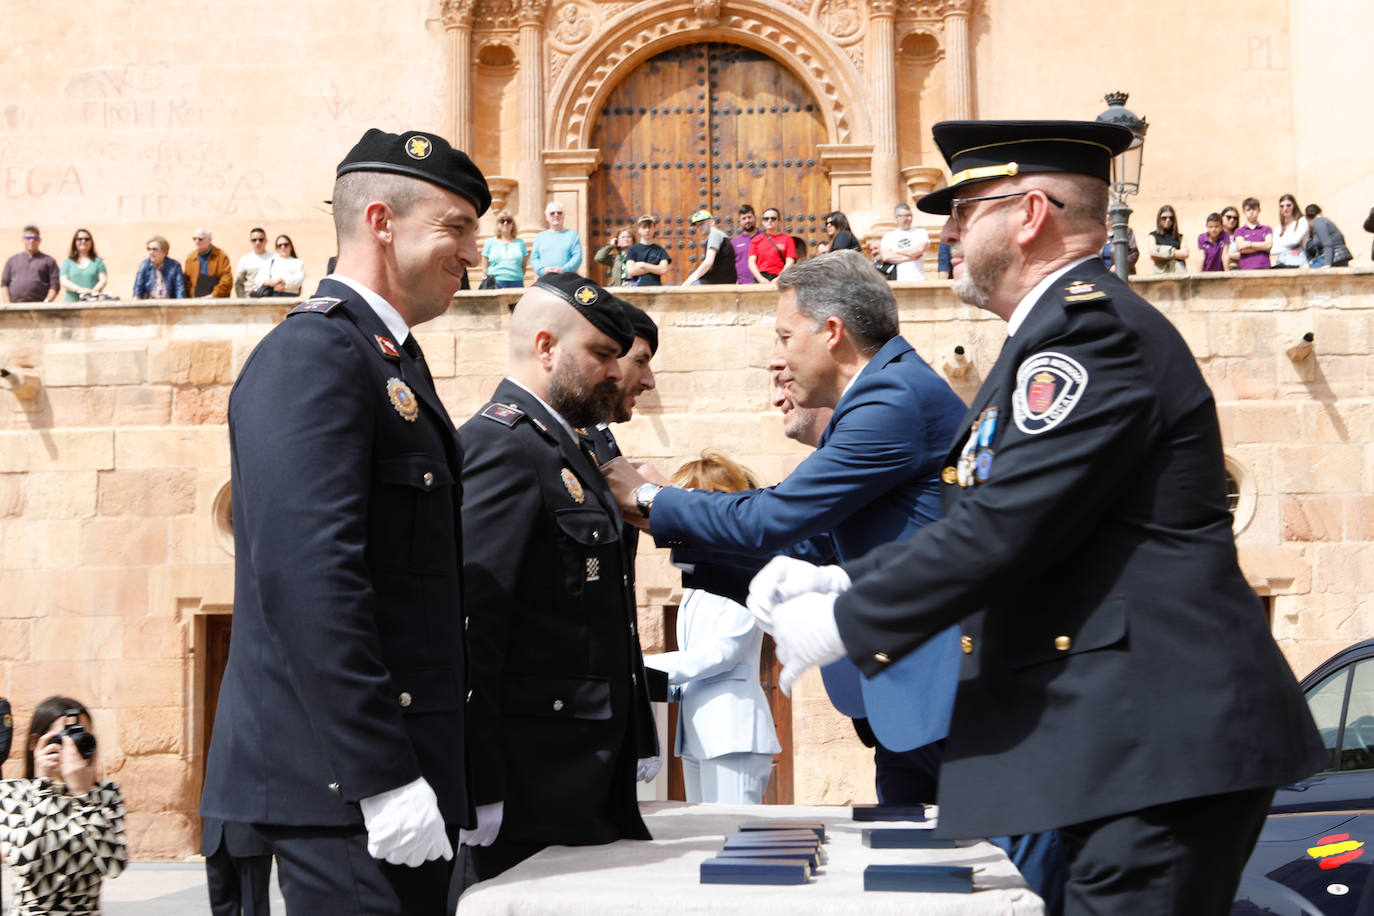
pixel 957 203
pixel 198 238
pixel 283 244
pixel 83 238
pixel 505 220
pixel 257 238
pixel 1166 216
pixel 154 247
pixel 30 238
pixel 770 219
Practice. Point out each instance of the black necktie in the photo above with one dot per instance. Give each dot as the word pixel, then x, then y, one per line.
pixel 412 346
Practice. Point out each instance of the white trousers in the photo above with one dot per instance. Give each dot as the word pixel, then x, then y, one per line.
pixel 730 779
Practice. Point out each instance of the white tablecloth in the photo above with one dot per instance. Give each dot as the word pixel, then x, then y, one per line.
pixel 662 877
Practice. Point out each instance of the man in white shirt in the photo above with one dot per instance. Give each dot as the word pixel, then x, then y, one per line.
pixel 905 246
pixel 246 273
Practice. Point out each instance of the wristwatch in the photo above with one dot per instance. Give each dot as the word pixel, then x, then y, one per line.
pixel 644 497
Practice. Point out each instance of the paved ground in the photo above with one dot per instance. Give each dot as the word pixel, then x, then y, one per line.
pixel 158 889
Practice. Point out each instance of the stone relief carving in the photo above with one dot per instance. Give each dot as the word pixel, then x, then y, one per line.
pixel 856 54
pixel 828 96
pixel 841 18
pixel 803 5
pixel 530 12
pixel 572 24
pixel 883 7
pixel 456 12
pixel 708 11
pixel 557 60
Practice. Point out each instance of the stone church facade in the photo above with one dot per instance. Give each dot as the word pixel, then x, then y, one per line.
pixel 115 537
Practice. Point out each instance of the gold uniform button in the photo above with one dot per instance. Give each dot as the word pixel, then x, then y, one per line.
pixel 405 700
pixel 949 475
pixel 881 657
pixel 429 479
pixel 966 643
pixel 1062 643
pixel 557 705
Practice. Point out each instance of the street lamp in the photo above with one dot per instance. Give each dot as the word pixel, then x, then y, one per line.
pixel 1125 173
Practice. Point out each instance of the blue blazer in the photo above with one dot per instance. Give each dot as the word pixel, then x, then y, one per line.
pixel 873 480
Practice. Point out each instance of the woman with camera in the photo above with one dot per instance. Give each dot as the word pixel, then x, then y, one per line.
pixel 61 832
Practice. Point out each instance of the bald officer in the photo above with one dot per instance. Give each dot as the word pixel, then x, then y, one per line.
pixel 339 733
pixel 1119 681
pixel 558 717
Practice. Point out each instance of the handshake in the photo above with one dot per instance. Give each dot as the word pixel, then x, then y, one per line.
pixel 794 602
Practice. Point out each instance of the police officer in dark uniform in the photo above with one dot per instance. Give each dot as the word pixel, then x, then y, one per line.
pixel 1119 682
pixel 558 716
pixel 238 868
pixel 339 733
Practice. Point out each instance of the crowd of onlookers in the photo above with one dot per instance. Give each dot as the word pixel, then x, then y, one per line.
pixel 1304 238
pixel 757 252
pixel 34 276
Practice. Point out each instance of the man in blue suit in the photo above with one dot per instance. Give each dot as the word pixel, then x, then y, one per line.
pixel 874 477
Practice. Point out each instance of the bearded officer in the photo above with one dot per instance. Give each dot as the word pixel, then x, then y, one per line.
pixel 339 731
pixel 558 713
pixel 1119 682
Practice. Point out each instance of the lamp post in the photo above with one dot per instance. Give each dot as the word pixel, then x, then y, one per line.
pixel 1125 174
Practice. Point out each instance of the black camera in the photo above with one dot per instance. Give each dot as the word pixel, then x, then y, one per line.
pixel 84 740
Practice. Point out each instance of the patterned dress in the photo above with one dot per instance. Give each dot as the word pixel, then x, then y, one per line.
pixel 58 847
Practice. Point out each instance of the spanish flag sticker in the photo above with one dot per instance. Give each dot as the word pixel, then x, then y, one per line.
pixel 1335 850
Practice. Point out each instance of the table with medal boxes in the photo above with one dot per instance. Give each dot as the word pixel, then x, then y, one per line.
pixel 785 852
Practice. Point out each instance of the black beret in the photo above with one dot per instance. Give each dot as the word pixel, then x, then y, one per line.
pixel 419 155
pixel 642 324
pixel 983 150
pixel 603 310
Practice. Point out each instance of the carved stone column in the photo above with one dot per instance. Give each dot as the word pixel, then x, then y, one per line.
pixel 882 68
pixel 958 78
pixel 530 172
pixel 457 16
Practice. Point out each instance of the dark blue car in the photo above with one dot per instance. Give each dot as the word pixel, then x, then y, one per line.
pixel 1316 852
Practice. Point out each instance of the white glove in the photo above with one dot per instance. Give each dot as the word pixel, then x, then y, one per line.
pixel 488 826
pixel 646 768
pixel 404 826
pixel 804 629
pixel 785 578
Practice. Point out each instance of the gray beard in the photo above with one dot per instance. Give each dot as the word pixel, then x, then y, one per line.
pixel 981 276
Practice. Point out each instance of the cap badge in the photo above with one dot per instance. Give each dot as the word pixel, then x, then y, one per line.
pixel 418 147
pixel 403 399
pixel 387 346
pixel 585 295
pixel 573 486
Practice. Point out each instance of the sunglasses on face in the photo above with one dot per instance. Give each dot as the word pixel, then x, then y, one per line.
pixel 283 244
pixel 256 239
pixel 83 238
pixel 30 238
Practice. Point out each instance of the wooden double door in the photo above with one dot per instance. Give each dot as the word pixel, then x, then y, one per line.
pixel 707 126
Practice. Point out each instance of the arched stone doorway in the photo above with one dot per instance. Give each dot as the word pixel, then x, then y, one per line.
pixel 707 125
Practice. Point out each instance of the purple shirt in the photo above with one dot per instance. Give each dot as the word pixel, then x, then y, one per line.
pixel 1213 253
pixel 1254 260
pixel 740 243
pixel 30 279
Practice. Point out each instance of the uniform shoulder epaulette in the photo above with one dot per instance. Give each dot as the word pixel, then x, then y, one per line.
pixel 1082 291
pixel 320 305
pixel 505 414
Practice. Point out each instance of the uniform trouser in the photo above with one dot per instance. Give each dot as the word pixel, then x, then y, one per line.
pixel 730 779
pixel 238 884
pixel 327 871
pixel 1179 859
pixel 908 777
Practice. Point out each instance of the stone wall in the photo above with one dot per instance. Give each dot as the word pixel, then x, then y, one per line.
pixel 114 544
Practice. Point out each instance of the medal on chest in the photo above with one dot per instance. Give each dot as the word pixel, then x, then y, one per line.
pixel 403 399
pixel 573 486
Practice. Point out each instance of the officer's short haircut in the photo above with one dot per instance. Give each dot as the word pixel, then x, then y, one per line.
pixel 844 284
pixel 902 207
pixel 353 191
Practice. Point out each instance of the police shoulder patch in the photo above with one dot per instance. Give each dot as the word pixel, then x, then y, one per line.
pixel 505 414
pixel 1048 386
pixel 321 305
pixel 1082 291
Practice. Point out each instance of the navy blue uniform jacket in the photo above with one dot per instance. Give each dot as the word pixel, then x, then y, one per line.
pixel 873 479
pixel 1116 658
pixel 560 711
pixel 346 668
